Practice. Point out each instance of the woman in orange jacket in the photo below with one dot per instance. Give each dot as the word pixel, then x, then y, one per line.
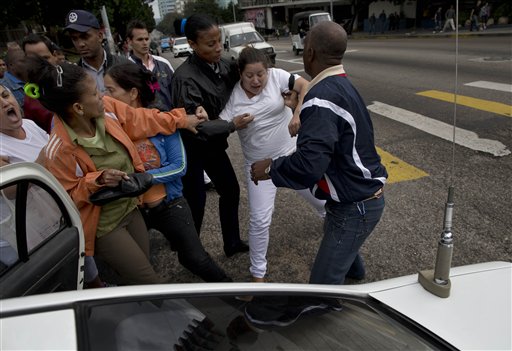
pixel 90 148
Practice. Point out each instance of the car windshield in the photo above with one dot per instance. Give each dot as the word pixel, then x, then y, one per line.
pixel 245 38
pixel 180 41
pixel 221 323
pixel 314 20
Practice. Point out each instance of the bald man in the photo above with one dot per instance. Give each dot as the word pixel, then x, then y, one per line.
pixel 335 158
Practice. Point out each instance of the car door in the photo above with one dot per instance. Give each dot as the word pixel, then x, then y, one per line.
pixel 41 236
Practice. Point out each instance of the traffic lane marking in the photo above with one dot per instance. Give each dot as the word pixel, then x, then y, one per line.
pixel 491 85
pixel 479 104
pixel 299 61
pixel 440 129
pixel 399 170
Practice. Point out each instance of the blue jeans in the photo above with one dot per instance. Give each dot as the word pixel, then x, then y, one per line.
pixel 346 227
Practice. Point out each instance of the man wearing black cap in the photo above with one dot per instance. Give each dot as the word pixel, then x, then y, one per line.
pixel 87 37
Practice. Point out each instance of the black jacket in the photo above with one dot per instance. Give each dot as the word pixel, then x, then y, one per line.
pixel 163 73
pixel 196 84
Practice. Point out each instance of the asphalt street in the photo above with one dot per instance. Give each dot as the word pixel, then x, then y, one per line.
pixel 408 85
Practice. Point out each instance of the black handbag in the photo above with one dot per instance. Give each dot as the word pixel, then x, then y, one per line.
pixel 138 184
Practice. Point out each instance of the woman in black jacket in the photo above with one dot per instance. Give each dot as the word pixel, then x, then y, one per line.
pixel 205 79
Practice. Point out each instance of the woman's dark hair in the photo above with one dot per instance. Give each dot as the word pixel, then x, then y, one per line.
pixel 58 91
pixel 251 55
pixel 197 23
pixel 129 75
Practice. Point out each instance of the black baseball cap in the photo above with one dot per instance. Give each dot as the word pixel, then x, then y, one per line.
pixel 81 21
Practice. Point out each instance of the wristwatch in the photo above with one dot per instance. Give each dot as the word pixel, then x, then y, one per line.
pixel 267 170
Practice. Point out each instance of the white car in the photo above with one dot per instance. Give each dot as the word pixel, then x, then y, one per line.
pixel 41 235
pixel 391 314
pixel 394 314
pixel 181 47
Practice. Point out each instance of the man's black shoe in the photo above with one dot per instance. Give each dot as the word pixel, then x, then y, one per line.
pixel 240 247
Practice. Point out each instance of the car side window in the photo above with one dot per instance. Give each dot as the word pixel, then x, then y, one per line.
pixel 42 219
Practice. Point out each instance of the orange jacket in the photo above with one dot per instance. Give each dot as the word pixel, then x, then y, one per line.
pixel 76 171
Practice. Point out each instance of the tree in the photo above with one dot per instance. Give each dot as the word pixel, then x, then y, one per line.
pixel 166 24
pixel 52 13
pixel 227 13
pixel 209 7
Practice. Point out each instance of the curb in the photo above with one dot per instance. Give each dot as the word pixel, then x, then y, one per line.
pixel 429 35
pixel 505 30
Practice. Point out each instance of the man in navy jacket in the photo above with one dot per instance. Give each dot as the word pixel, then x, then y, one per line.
pixel 335 158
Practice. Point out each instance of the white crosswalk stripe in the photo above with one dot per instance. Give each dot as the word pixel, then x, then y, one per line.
pixel 442 130
pixel 299 61
pixel 491 85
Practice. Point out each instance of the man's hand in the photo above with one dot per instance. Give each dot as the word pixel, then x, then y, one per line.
pixel 291 99
pixel 242 121
pixel 294 125
pixel 258 170
pixel 111 177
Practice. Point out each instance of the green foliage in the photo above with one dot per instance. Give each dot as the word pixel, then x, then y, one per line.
pixel 166 24
pixel 504 10
pixel 227 14
pixel 52 13
pixel 209 7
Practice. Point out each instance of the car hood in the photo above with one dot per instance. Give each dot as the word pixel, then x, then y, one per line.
pixel 476 315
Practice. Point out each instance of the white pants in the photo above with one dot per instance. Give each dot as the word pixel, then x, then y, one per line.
pixel 261 207
pixel 449 23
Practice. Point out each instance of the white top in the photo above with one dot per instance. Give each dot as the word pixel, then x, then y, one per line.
pixel 27 149
pixel 267 136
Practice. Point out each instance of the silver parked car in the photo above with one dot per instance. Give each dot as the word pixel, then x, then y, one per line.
pixel 38 313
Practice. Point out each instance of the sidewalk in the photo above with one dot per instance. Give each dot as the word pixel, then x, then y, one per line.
pixel 496 30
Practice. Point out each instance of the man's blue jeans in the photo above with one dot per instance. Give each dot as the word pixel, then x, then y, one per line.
pixel 346 228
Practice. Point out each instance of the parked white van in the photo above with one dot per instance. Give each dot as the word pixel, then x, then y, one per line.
pixel 236 36
pixel 302 22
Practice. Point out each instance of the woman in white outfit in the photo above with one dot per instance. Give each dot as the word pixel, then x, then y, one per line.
pixel 260 93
